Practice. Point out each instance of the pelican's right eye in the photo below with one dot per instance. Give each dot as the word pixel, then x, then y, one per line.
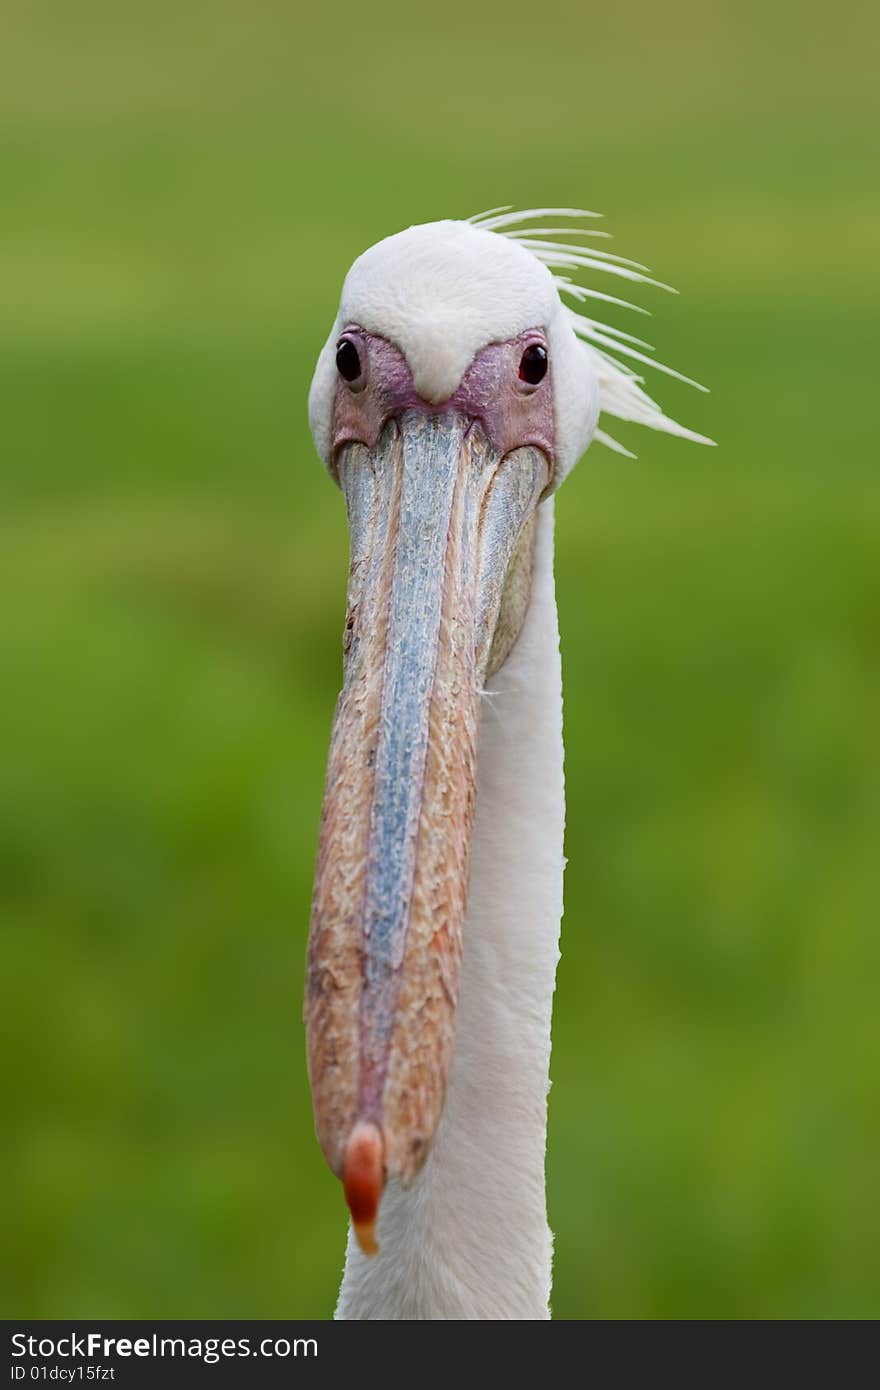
pixel 348 360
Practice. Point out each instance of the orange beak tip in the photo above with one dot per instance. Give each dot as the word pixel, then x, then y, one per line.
pixel 363 1179
pixel 365 1233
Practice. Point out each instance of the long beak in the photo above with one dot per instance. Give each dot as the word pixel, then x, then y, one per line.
pixel 436 517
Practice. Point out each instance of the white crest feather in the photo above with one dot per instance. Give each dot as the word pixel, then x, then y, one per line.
pixel 621 387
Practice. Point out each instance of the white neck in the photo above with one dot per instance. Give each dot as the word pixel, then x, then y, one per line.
pixel 470 1238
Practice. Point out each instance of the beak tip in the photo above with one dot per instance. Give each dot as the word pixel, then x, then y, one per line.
pixel 365 1234
pixel 363 1179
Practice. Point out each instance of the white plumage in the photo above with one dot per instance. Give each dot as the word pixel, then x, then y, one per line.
pixel 621 392
pixel 469 1238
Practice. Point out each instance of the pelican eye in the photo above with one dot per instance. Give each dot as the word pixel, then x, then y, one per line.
pixel 533 364
pixel 348 360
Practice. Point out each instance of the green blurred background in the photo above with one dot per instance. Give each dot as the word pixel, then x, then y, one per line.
pixel 183 187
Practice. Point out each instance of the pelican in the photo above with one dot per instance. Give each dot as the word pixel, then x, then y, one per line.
pixel 461 381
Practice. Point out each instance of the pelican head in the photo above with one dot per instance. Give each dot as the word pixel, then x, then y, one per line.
pixel 455 392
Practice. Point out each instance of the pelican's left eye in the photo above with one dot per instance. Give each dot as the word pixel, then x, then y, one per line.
pixel 533 364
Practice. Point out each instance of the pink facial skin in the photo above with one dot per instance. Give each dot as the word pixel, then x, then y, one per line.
pixel 512 413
